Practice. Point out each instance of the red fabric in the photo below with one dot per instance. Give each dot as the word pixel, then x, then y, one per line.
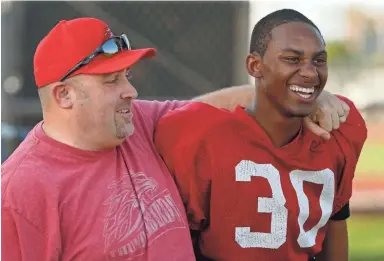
pixel 218 159
pixel 62 203
pixel 71 41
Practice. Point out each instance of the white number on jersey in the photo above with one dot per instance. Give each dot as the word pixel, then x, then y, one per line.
pixel 276 205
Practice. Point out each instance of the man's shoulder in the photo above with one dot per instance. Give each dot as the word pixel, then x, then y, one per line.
pixel 25 167
pixel 22 180
pixel 146 114
pixel 195 116
pixel 21 156
pixel 26 186
pixel 191 122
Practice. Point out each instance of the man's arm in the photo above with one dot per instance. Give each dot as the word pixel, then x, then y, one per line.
pixel 328 113
pixel 230 97
pixel 335 245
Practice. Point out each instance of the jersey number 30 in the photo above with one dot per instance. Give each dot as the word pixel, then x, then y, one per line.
pixel 276 205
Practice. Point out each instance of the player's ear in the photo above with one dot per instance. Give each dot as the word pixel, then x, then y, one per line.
pixel 253 63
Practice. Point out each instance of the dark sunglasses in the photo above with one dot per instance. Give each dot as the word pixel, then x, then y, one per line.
pixel 108 48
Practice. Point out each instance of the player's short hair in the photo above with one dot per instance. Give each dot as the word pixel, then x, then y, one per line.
pixel 261 33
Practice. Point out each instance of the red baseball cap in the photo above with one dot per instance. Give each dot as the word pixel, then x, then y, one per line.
pixel 69 42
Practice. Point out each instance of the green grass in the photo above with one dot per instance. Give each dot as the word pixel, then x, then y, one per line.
pixel 366 232
pixel 366 237
pixel 371 160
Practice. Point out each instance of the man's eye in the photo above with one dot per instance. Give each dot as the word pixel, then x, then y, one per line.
pixel 129 75
pixel 114 80
pixel 320 61
pixel 292 59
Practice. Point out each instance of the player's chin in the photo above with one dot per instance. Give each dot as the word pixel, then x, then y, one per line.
pixel 299 111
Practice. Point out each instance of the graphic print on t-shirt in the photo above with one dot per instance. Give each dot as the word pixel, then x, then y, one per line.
pixel 137 215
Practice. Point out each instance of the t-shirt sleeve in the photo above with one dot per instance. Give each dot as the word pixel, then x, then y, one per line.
pixel 22 241
pixel 154 110
pixel 179 140
pixel 350 137
pixel 29 218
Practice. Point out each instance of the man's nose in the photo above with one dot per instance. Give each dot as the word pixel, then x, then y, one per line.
pixel 129 92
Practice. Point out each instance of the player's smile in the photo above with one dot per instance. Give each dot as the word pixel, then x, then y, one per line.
pixel 293 70
pixel 304 93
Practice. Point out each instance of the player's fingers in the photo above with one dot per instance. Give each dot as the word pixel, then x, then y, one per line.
pixel 335 119
pixel 334 109
pixel 337 104
pixel 324 117
pixel 346 110
pixel 316 129
pixel 341 113
pixel 314 117
pixel 341 107
pixel 343 118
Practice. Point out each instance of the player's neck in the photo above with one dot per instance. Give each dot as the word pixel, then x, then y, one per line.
pixel 280 129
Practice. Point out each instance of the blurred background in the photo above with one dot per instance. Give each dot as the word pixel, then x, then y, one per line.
pixel 202 47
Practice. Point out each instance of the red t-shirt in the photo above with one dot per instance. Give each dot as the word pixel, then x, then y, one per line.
pixel 250 200
pixel 62 203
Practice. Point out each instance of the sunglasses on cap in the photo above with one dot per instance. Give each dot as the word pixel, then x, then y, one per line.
pixel 108 48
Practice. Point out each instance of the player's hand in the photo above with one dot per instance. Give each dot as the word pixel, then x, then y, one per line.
pixel 328 114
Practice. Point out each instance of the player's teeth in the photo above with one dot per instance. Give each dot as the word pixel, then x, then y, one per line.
pixel 305 96
pixel 296 88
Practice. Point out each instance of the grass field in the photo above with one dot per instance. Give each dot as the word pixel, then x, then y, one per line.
pixel 371 160
pixel 366 237
pixel 366 231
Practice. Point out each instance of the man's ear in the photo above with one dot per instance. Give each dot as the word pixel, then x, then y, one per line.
pixel 253 63
pixel 63 94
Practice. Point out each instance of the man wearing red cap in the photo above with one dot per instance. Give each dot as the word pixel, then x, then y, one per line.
pixel 84 185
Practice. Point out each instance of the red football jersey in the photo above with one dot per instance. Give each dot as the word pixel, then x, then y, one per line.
pixel 250 200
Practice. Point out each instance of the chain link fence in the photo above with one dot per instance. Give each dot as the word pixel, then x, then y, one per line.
pixel 201 47
pixel 195 40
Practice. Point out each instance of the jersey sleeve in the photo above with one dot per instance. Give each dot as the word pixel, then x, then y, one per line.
pixel 350 137
pixel 179 138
